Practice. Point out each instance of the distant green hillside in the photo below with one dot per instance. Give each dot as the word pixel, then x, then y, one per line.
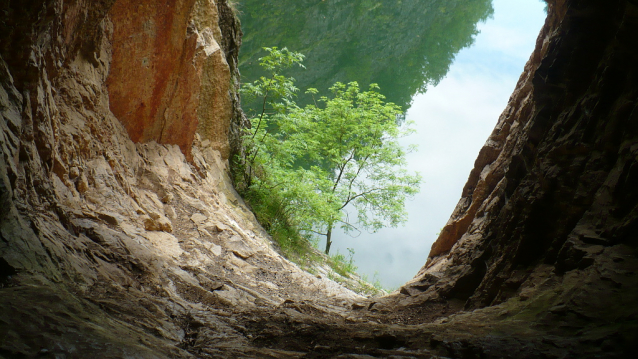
pixel 403 45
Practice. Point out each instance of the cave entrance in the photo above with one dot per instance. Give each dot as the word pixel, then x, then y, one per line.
pixel 451 67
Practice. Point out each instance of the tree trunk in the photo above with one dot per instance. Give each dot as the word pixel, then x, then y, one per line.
pixel 328 241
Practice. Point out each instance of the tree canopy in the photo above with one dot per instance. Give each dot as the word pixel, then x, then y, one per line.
pixel 338 154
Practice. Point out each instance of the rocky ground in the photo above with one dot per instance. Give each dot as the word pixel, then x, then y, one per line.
pixel 111 248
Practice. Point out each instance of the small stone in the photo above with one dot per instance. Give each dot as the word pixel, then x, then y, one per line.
pixel 110 218
pixel 160 223
pixel 74 172
pixel 59 167
pixel 220 227
pixel 198 218
pixel 82 185
pixel 209 284
pixel 170 212
pixel 150 224
pixel 216 249
pixel 167 198
pixel 165 225
pixel 240 249
pixel 357 306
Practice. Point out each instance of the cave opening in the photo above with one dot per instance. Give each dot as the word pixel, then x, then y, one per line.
pixel 464 83
pixel 143 249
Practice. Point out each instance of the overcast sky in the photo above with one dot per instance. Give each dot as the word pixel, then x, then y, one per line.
pixel 453 120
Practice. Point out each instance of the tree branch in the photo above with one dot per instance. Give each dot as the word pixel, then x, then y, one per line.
pixel 315 232
pixel 353 227
pixel 263 106
pixel 362 194
pixel 355 177
pixel 341 171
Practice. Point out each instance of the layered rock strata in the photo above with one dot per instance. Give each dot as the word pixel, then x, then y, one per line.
pixel 120 232
pixel 549 215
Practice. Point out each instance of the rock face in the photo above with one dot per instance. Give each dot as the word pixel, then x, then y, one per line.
pixel 551 185
pixel 111 248
pixel 169 76
pixel 120 239
pixel 551 201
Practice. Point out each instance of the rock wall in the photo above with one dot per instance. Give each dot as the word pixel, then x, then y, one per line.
pixel 120 232
pixel 169 77
pixel 551 198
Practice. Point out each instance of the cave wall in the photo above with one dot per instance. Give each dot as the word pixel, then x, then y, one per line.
pixel 171 66
pixel 553 189
pixel 153 72
pixel 62 74
pixel 169 75
pixel 116 243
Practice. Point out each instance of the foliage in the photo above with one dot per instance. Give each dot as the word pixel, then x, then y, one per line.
pixel 310 165
pixel 275 90
pixel 403 45
pixel 376 283
pixel 342 265
pixel 270 205
pixel 347 150
pixel 270 210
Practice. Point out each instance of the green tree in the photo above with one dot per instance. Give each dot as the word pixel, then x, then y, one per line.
pixel 350 143
pixel 341 153
pixel 275 93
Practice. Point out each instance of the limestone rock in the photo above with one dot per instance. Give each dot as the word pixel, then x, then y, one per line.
pixel 239 248
pixel 169 77
pixel 157 222
pixel 547 205
pixel 198 218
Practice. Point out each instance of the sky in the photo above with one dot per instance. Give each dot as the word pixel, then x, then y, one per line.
pixel 453 120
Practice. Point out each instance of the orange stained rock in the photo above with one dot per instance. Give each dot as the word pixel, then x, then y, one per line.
pixel 153 81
